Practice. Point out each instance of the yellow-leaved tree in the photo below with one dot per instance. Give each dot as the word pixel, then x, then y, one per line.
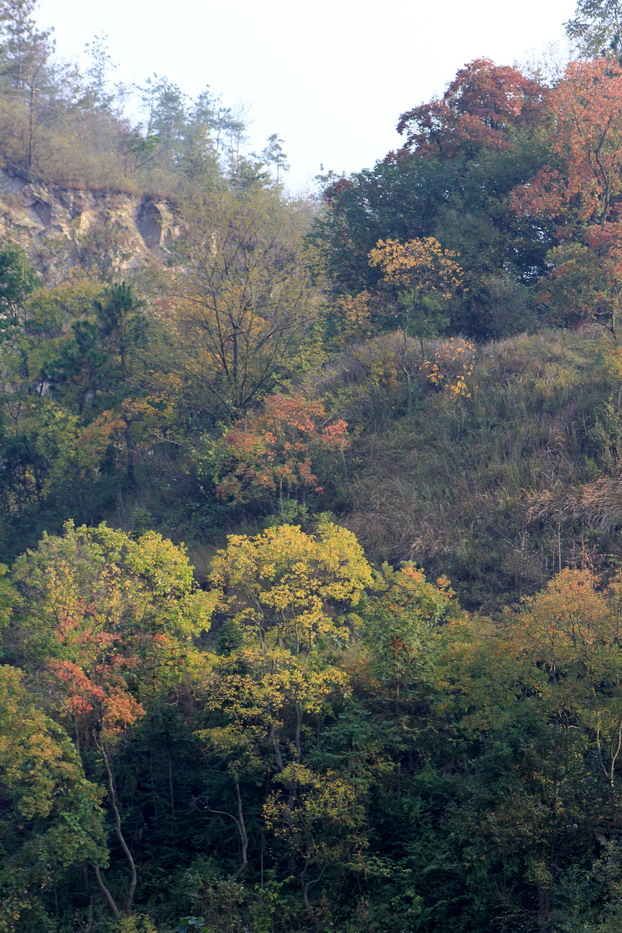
pixel 419 278
pixel 109 623
pixel 51 818
pixel 422 277
pixel 286 609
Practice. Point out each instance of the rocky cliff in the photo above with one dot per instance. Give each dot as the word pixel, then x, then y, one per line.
pixel 60 227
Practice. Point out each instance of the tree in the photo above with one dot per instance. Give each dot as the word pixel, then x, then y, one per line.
pixel 50 815
pixel 279 586
pixel 482 108
pixel 99 72
pixel 199 159
pixel 287 599
pixel 273 451
pixel 323 828
pixel 54 442
pixel 109 618
pixel 110 622
pixel 24 54
pixel 244 299
pixel 274 155
pixel 583 183
pixel 419 277
pixel 406 626
pixel 596 28
pixel 18 279
pixel 422 273
pixel 23 48
pixel 166 119
pixel 94 365
pixel 99 366
pixel 460 201
pixel 563 624
pixel 585 280
pixel 580 190
pixel 571 631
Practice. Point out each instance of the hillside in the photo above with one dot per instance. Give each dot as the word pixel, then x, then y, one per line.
pixel 503 488
pixel 310 509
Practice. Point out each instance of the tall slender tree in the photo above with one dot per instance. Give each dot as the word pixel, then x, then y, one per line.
pixel 596 28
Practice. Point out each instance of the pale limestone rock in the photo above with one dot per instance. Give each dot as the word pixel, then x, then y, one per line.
pixel 51 220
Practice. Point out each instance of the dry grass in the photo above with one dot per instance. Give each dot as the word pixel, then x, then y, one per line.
pixel 500 489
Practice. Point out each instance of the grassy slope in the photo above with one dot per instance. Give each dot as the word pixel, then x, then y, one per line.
pixel 499 490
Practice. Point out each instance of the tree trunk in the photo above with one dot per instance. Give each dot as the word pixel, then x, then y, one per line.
pixel 129 900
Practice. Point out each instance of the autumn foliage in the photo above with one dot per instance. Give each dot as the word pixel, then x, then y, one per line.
pixel 584 181
pixel 421 265
pixel 451 367
pixel 113 619
pixel 273 452
pixel 297 723
pixel 480 108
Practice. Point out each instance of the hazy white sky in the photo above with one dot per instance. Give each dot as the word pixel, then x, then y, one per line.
pixel 331 77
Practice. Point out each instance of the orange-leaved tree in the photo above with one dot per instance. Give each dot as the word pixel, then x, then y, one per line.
pixel 481 108
pixel 570 632
pixel 272 453
pixel 583 183
pixel 580 191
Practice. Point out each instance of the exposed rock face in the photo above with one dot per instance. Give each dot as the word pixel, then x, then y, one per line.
pixel 57 225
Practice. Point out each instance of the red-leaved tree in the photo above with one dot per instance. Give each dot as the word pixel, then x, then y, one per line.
pixel 271 454
pixel 583 184
pixel 479 109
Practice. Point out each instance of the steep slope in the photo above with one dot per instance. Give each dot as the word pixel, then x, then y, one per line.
pixel 501 489
pixel 61 226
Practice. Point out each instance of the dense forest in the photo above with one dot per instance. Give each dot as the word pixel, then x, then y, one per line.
pixel 311 593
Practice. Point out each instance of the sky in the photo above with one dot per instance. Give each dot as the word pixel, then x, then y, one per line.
pixel 330 77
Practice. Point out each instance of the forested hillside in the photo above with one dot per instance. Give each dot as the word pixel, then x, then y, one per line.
pixel 311 509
